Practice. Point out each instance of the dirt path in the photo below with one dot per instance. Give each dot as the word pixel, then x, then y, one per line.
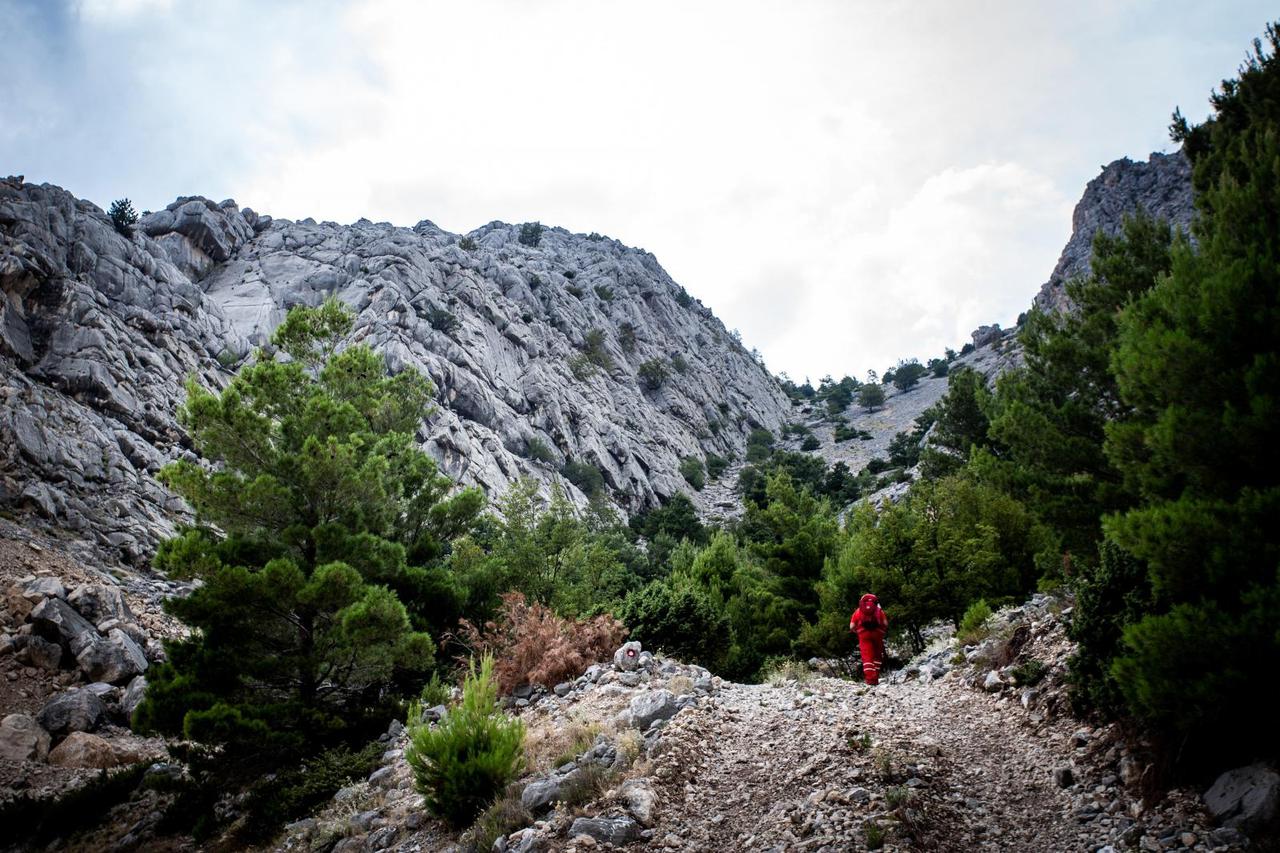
pixel 942 766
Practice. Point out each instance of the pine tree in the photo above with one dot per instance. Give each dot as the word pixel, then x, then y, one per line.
pixel 315 501
pixel 1198 363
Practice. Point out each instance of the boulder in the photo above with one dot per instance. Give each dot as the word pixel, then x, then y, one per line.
pixel 22 739
pixel 617 831
pixel 83 750
pixel 648 708
pixel 73 711
pixel 99 602
pixel 1247 798
pixel 37 651
pixel 115 659
pixel 57 620
pixel 540 794
pixel 993 683
pixel 627 657
pixel 36 590
pixel 640 800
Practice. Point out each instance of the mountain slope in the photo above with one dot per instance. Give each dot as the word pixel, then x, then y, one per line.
pixel 535 350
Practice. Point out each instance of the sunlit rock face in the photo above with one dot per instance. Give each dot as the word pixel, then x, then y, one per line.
pixel 1161 185
pixel 535 350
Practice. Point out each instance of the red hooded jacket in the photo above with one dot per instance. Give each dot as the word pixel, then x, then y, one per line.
pixel 869 618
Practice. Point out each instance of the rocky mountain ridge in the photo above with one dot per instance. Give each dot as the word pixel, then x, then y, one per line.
pixel 1161 184
pixel 536 350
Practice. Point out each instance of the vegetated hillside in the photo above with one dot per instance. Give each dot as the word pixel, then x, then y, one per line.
pixel 548 350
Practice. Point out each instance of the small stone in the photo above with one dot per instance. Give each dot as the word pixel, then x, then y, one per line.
pixel 563 688
pixel 627 657
pixel 383 777
pixel 617 831
pixel 992 683
pixel 1063 777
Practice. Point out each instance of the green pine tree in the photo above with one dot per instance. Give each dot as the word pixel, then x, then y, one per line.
pixel 314 515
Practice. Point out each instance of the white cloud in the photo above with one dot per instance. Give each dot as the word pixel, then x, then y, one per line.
pixel 847 183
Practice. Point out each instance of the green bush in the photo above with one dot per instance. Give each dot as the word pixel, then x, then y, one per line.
pixel 653 374
pixel 907 375
pixel 683 297
pixel 462 763
pixel 1029 673
pixel 604 292
pixel 716 465
pixel 679 618
pixel 442 321
pixel 582 367
pixel 973 625
pixel 871 396
pixel 536 450
pixel 679 363
pixel 435 692
pixel 627 337
pixel 467 244
pixel 123 216
pixel 504 816
pixel 531 233
pixel 595 347
pixel 291 793
pixel 810 443
pixel 691 468
pixel 584 475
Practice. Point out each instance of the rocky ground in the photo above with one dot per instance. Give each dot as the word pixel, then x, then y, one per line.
pixel 949 754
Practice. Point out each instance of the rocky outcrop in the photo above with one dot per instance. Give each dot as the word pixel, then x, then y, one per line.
pixel 1162 185
pixel 534 350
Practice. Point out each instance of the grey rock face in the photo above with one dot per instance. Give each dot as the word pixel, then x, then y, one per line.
pixel 650 707
pixel 1162 185
pixel 98 332
pixel 1246 798
pixel 73 711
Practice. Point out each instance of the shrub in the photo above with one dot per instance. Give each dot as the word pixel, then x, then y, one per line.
pixel 627 337
pixel 653 374
pixel 967 348
pixel 1030 673
pixel 504 815
pixel 435 692
pixel 683 297
pixel 878 465
pixel 844 432
pixel 291 793
pixel 810 443
pixel 533 645
pixel 940 368
pixel 907 375
pixel 716 464
pixel 875 835
pixel 973 625
pixel 467 244
pixel 587 477
pixel 441 320
pixel 692 470
pixel 679 363
pixel 531 233
pixel 871 396
pixel 228 359
pixel 604 292
pixel 595 348
pixel 680 618
pixel 575 291
pixel 460 764
pixel 536 450
pixel 582 367
pixel 123 216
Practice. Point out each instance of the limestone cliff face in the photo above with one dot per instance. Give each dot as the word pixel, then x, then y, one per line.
pixel 98 331
pixel 1162 185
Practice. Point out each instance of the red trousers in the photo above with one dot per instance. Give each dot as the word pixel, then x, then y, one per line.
pixel 871 646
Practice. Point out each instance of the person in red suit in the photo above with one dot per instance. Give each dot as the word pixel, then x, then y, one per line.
pixel 870 623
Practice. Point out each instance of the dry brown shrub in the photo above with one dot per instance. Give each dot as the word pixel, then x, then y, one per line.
pixel 530 644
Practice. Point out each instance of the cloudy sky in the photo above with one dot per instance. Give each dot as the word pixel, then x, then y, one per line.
pixel 846 182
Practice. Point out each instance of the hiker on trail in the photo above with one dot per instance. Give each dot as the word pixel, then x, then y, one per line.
pixel 870 623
